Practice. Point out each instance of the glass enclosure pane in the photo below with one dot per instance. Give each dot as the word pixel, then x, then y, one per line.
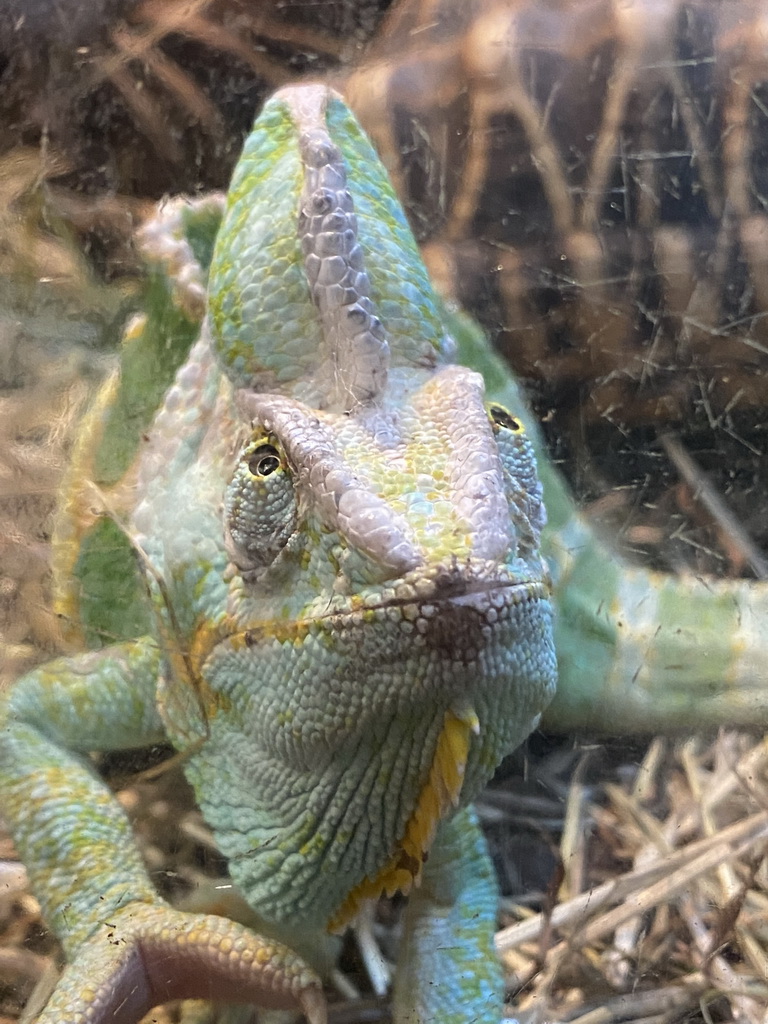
pixel 588 180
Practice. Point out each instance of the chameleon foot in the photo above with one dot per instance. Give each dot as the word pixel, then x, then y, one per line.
pixel 147 955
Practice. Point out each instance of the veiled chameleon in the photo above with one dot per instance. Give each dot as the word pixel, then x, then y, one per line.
pixel 349 620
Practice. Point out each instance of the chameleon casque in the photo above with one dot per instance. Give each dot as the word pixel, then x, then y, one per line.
pixel 351 621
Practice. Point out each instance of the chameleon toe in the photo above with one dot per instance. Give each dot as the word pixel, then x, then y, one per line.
pixel 149 955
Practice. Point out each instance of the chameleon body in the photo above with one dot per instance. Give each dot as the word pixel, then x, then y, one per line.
pixel 350 617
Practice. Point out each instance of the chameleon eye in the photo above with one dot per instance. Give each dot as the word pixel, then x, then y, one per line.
pixel 501 418
pixel 264 461
pixel 521 483
pixel 259 506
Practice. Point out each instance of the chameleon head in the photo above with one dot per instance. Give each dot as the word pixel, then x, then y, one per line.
pixel 388 634
pixel 386 581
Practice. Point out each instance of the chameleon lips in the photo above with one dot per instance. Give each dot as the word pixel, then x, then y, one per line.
pixel 469 582
pixel 490 602
pixel 461 622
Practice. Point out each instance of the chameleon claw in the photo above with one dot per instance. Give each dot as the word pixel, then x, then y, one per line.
pixel 148 954
pixel 312 1002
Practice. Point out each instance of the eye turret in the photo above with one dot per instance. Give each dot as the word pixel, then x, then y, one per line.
pixel 260 505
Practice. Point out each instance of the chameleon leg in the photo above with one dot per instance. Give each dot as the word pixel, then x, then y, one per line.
pixel 448 969
pixel 127 949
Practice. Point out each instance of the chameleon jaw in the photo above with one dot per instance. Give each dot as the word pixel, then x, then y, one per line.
pixel 409 737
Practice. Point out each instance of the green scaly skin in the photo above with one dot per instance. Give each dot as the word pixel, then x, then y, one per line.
pixel 350 621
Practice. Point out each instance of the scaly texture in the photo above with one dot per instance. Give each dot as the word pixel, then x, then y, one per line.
pixel 349 618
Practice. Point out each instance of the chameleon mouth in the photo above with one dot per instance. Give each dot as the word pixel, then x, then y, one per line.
pixel 448 612
pixel 456 608
pixel 472 585
pixel 453 612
